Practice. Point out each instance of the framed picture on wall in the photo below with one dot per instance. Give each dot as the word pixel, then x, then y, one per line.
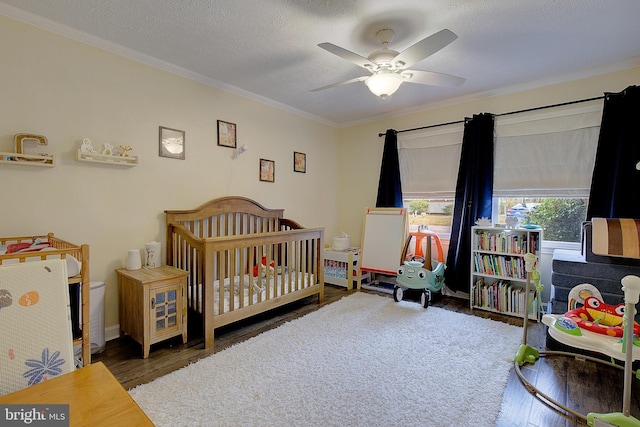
pixel 267 170
pixel 171 143
pixel 227 134
pixel 299 162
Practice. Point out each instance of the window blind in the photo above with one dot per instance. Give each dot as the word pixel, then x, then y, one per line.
pixel 537 154
pixel 429 163
pixel 546 155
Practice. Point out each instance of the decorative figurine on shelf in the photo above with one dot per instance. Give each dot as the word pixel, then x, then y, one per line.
pixel 483 222
pixel 511 221
pixel 86 147
pixel 124 150
pixel 108 150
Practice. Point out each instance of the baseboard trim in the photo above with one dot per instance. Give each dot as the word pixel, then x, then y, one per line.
pixel 112 333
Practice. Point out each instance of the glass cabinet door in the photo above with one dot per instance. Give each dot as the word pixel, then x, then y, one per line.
pixel 165 310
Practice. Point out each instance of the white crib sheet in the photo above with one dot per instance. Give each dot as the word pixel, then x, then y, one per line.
pixel 271 285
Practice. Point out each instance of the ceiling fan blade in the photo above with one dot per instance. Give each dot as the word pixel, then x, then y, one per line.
pixel 432 78
pixel 423 49
pixel 357 79
pixel 343 53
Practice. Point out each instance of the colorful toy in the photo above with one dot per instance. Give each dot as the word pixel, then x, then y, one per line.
pixel 601 318
pixel 601 324
pixel 591 328
pixel 585 301
pixel 263 267
pixel 415 272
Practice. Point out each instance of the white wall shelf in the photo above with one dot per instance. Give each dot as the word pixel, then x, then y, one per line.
pixel 27 159
pixel 107 159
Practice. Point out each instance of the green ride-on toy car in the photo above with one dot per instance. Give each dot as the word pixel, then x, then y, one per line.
pixel 416 273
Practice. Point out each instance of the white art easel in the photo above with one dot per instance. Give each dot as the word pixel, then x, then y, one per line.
pixel 384 232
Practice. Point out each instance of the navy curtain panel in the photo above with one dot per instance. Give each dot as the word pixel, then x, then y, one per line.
pixel 474 191
pixel 389 187
pixel 615 181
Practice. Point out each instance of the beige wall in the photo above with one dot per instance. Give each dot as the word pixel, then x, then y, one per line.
pixel 67 91
pixel 360 148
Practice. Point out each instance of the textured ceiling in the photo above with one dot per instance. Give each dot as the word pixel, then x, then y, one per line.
pixel 267 49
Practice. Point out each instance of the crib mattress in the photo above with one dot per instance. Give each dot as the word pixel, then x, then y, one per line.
pixel 271 285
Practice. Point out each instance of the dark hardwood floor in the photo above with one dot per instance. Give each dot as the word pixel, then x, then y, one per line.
pixel 582 386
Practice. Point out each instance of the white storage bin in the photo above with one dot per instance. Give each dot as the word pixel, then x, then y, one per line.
pixel 97 317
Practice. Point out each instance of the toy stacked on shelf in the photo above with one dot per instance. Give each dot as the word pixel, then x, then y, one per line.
pixel 498 273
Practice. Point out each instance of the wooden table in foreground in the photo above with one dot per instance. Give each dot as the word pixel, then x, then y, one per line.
pixel 94 396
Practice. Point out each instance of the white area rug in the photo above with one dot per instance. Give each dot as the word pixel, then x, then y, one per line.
pixel 364 360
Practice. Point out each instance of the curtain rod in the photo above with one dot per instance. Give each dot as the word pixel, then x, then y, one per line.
pixel 502 114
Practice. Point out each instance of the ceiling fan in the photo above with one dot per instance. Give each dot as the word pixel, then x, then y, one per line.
pixel 389 68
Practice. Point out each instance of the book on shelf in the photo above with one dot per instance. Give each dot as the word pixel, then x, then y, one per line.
pixel 502 241
pixel 499 265
pixel 504 297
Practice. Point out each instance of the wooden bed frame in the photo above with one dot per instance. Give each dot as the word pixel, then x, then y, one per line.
pixel 226 240
pixel 62 250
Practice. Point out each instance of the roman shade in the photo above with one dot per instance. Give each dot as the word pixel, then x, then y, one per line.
pixel 537 154
pixel 429 163
pixel 546 155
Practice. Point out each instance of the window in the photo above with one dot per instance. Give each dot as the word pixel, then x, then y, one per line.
pixel 543 160
pixel 436 215
pixel 560 218
pixel 543 167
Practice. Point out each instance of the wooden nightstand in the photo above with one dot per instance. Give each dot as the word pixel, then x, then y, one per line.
pixel 153 306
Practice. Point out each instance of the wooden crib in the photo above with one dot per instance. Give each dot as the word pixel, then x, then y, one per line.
pixel 243 259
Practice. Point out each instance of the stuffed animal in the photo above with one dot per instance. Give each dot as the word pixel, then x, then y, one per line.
pixel 263 267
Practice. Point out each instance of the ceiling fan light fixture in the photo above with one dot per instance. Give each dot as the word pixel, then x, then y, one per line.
pixel 389 68
pixel 384 83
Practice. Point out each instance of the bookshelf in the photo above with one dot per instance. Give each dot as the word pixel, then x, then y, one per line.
pixel 498 275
